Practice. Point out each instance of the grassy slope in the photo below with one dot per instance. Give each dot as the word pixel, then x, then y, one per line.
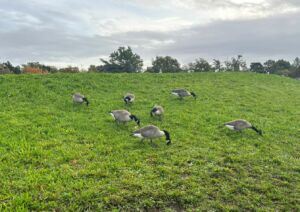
pixel 56 155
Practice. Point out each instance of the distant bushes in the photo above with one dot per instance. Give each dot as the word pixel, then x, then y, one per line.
pixel 69 69
pixel 125 60
pixel 164 65
pixel 4 70
pixel 280 67
pixel 33 70
pixel 37 68
pixel 8 68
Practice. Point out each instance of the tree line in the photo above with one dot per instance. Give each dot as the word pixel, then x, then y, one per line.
pixel 124 60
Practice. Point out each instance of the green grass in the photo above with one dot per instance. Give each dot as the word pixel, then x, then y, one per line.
pixel 55 155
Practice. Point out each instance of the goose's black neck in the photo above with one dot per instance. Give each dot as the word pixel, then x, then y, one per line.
pixel 86 100
pixel 168 137
pixel 194 95
pixel 133 117
pixel 257 130
pixel 151 113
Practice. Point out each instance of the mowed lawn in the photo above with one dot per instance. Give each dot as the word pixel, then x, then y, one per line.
pixel 55 155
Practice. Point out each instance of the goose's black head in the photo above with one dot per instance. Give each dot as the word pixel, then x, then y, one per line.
pixel 86 101
pixel 194 95
pixel 133 117
pixel 153 111
pixel 168 137
pixel 127 99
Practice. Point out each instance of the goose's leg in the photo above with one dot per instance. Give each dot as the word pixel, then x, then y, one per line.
pixel 153 144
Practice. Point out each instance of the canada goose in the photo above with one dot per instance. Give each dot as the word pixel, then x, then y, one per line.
pixel 124 116
pixel 128 98
pixel 157 111
pixel 183 93
pixel 241 124
pixel 152 132
pixel 79 98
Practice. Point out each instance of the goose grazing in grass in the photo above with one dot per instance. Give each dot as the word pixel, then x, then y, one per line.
pixel 183 93
pixel 241 124
pixel 79 98
pixel 157 111
pixel 124 116
pixel 152 132
pixel 128 98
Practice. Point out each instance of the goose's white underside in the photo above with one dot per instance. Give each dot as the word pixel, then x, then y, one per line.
pixel 79 100
pixel 176 94
pixel 139 135
pixel 229 126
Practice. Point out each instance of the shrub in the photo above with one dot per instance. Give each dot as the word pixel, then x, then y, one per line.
pixel 33 70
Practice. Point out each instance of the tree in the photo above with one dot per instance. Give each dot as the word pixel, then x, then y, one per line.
pixel 164 64
pixel 10 68
pixel 269 66
pixel 257 67
pixel 296 63
pixel 228 65
pixel 217 66
pixel 277 67
pixel 200 65
pixel 282 65
pixel 123 60
pixel 4 69
pixel 236 64
pixel 294 73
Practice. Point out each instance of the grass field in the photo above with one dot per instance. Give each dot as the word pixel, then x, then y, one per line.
pixel 55 155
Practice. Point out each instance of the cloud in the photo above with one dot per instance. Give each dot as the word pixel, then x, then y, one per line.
pixel 80 32
pixel 271 37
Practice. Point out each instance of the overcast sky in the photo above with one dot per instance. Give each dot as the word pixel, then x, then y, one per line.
pixel 77 32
